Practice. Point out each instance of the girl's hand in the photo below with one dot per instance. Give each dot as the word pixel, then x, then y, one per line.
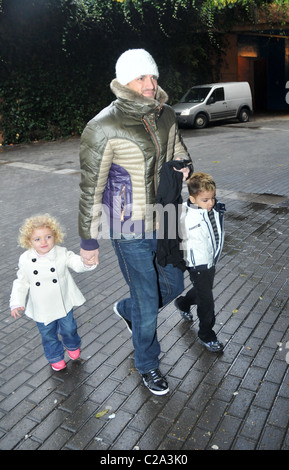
pixel 15 312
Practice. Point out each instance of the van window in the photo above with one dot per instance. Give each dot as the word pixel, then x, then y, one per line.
pixel 195 95
pixel 219 94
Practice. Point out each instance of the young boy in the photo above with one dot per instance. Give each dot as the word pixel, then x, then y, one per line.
pixel 202 231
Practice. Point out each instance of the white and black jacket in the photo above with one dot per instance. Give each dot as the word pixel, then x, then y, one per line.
pixel 200 245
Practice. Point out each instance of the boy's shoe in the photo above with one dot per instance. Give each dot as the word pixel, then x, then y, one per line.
pixel 187 316
pixel 127 322
pixel 58 365
pixel 74 354
pixel 213 346
pixel 155 382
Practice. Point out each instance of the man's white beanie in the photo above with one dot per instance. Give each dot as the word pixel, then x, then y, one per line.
pixel 133 63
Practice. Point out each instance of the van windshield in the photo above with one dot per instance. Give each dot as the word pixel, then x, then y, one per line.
pixel 196 95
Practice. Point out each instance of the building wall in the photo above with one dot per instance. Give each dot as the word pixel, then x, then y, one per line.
pixel 263 61
pixel 229 68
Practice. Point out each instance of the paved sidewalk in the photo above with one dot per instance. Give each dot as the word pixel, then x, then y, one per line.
pixel 234 401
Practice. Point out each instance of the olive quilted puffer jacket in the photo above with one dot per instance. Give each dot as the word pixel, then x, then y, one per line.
pixel 122 151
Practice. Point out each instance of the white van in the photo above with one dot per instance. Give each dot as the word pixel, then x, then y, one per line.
pixel 214 102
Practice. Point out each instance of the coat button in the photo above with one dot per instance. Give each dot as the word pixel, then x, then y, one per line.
pixel 52 270
pixel 54 280
pixel 33 260
pixel 35 272
pixel 37 283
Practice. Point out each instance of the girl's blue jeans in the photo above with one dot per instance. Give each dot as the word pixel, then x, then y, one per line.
pixel 151 286
pixel 65 327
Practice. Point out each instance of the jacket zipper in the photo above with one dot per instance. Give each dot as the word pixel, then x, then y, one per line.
pixel 149 130
pixel 209 226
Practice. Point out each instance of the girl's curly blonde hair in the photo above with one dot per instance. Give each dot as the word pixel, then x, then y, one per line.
pixel 39 221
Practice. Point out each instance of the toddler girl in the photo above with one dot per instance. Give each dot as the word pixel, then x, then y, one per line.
pixel 44 274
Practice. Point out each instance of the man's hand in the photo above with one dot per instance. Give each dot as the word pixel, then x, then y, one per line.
pixel 185 171
pixel 89 257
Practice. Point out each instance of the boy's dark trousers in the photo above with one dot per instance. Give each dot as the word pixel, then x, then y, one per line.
pixel 201 294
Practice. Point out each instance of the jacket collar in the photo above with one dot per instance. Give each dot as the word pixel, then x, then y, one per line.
pixel 193 206
pixel 141 104
pixel 49 256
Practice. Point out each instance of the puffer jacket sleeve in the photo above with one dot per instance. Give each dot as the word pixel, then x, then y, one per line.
pixel 177 150
pixel 95 162
pixel 180 150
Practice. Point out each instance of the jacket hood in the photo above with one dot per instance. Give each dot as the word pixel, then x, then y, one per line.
pixel 123 92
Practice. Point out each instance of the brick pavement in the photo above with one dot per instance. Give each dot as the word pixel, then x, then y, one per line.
pixel 235 401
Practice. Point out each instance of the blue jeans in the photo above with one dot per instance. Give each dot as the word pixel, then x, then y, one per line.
pixel 53 347
pixel 151 286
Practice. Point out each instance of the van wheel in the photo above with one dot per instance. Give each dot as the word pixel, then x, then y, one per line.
pixel 201 121
pixel 244 115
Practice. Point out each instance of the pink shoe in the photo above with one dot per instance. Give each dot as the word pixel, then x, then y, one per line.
pixel 58 365
pixel 74 354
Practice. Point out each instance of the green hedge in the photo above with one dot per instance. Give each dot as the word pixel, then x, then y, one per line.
pixel 46 104
pixel 56 63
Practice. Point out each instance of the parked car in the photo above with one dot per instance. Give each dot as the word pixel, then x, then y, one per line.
pixel 213 102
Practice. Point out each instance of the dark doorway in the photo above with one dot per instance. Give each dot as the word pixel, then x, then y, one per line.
pixel 260 84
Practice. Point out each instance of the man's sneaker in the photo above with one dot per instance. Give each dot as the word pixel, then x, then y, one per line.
pixel 58 365
pixel 213 346
pixel 127 322
pixel 155 382
pixel 187 316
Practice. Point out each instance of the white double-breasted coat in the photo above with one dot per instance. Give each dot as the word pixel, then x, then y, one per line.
pixel 51 290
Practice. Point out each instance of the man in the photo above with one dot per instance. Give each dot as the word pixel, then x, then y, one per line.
pixel 122 152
